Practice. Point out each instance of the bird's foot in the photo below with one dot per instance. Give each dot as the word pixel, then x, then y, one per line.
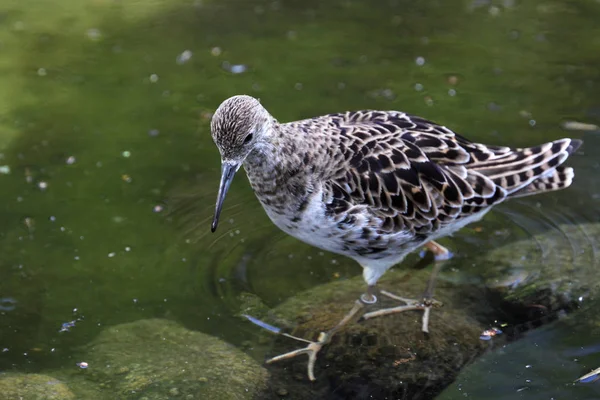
pixel 311 350
pixel 425 305
pixel 324 337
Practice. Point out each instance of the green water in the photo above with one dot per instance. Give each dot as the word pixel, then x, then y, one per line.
pixel 111 174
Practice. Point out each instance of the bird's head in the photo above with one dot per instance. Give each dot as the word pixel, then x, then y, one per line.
pixel 239 125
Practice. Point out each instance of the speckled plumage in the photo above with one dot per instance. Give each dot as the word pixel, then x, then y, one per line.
pixel 376 185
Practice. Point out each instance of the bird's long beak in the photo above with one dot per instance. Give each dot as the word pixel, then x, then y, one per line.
pixel 228 170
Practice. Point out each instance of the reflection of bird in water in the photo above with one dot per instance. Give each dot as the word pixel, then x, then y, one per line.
pixel 374 185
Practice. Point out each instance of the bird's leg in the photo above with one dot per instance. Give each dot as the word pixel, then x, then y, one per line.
pixel 409 304
pixel 439 252
pixel 325 337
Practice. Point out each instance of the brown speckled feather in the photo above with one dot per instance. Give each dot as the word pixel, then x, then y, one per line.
pixel 420 176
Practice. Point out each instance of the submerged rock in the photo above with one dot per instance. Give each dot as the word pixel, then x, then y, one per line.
pixel 160 359
pixel 33 387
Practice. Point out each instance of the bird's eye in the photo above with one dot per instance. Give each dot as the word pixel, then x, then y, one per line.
pixel 248 139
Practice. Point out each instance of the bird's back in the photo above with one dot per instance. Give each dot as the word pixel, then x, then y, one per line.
pixel 412 175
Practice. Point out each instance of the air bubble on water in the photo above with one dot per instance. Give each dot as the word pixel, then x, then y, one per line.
pixel 216 51
pixel 128 249
pixel 532 122
pixel 153 132
pixel 111 255
pixel 126 154
pixel 418 87
pixel 420 61
pixel 153 78
pixel 42 72
pixel 42 185
pixel 71 160
pixel 94 34
pixel 452 92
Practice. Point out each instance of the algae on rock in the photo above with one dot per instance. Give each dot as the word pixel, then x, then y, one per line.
pixel 158 359
pixel 33 387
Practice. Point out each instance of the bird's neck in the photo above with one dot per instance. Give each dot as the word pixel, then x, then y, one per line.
pixel 276 167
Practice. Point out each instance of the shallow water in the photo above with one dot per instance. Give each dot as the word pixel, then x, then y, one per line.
pixel 109 174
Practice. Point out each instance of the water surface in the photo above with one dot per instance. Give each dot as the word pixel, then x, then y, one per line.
pixel 110 175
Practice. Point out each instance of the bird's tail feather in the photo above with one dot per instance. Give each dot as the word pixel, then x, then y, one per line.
pixel 532 170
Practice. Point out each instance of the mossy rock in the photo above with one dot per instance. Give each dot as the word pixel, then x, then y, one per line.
pixel 160 359
pixel 33 387
pixel 384 356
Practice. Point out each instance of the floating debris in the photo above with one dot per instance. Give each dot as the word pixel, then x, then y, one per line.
pixel 488 334
pixel 7 304
pixel 579 126
pixel 452 79
pixel 238 68
pixel 216 51
pixel 262 324
pixel 82 365
pixel 94 34
pixel 184 57
pixel 589 378
pixel 42 72
pixel 66 326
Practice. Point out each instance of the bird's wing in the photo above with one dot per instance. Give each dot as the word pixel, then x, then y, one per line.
pixel 420 176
